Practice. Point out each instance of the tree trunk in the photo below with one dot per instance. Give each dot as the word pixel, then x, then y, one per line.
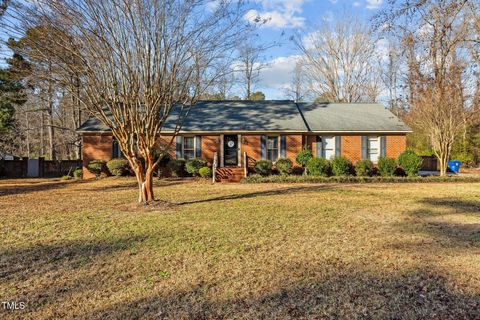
pixel 145 181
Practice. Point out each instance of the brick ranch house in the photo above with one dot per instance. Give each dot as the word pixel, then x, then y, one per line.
pixel 254 130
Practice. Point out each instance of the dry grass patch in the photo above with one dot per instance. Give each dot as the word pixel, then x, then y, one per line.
pixel 80 249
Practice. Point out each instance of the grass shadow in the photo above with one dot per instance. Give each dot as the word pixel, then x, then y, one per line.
pixel 266 193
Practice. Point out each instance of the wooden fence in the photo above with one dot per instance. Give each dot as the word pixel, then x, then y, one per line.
pixel 37 168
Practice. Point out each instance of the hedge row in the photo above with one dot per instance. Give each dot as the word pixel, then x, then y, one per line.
pixel 255 178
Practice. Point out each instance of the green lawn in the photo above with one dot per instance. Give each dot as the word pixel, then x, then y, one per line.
pixel 85 250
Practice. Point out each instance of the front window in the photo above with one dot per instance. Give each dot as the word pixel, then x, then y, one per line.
pixel 329 147
pixel 373 149
pixel 188 147
pixel 272 148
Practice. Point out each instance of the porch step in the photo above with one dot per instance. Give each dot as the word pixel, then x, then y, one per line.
pixel 229 174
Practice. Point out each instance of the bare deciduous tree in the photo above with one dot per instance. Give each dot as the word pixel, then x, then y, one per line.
pixel 140 59
pixel 340 60
pixel 296 89
pixel 433 35
pixel 251 62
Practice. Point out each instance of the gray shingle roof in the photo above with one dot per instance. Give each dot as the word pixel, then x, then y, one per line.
pixel 266 115
pixel 352 117
pixel 277 116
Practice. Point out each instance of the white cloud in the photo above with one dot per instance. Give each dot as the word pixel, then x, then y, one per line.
pixel 357 4
pixel 374 4
pixel 333 1
pixel 277 75
pixel 277 13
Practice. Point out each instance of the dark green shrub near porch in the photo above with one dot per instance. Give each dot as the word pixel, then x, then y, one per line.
pixel 364 168
pixel 303 156
pixel 97 167
pixel 263 167
pixel 205 172
pixel 341 166
pixel 118 167
pixel 194 165
pixel 177 166
pixel 319 167
pixel 410 162
pixel 387 166
pixel 284 166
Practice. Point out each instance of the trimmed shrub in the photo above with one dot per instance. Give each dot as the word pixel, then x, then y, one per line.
pixel 319 167
pixel 364 168
pixel 194 165
pixel 303 156
pixel 410 162
pixel 97 167
pixel 78 173
pixel 66 177
pixel 177 167
pixel 341 166
pixel 205 172
pixel 263 167
pixel 118 167
pixel 284 166
pixel 387 166
pixel 255 178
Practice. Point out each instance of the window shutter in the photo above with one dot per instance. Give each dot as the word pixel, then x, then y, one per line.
pixel 178 147
pixel 364 147
pixel 198 146
pixel 283 146
pixel 319 147
pixel 114 149
pixel 263 147
pixel 338 146
pixel 383 146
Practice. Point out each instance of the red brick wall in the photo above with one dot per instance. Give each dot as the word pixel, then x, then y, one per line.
pixel 210 145
pixel 396 144
pixel 294 146
pixel 351 147
pixel 251 145
pixel 165 141
pixel 95 147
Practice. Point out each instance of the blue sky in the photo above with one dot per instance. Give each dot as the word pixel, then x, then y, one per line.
pixel 287 16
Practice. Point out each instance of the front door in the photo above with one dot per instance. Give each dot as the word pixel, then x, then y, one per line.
pixel 230 150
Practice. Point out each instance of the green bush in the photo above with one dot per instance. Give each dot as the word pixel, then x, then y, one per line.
pixel 319 167
pixel 284 166
pixel 118 167
pixel 66 177
pixel 364 168
pixel 303 156
pixel 255 178
pixel 205 172
pixel 410 162
pixel 387 166
pixel 194 165
pixel 177 167
pixel 97 167
pixel 263 167
pixel 341 166
pixel 78 173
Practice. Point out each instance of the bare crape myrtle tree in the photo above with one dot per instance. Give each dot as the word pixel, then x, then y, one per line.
pixel 139 60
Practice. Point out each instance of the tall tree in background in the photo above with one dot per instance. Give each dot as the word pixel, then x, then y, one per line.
pixel 296 90
pixel 251 62
pixel 340 60
pixel 433 35
pixel 140 60
pixel 12 95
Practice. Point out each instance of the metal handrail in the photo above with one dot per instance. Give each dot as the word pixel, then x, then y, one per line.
pixel 214 166
pixel 245 164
